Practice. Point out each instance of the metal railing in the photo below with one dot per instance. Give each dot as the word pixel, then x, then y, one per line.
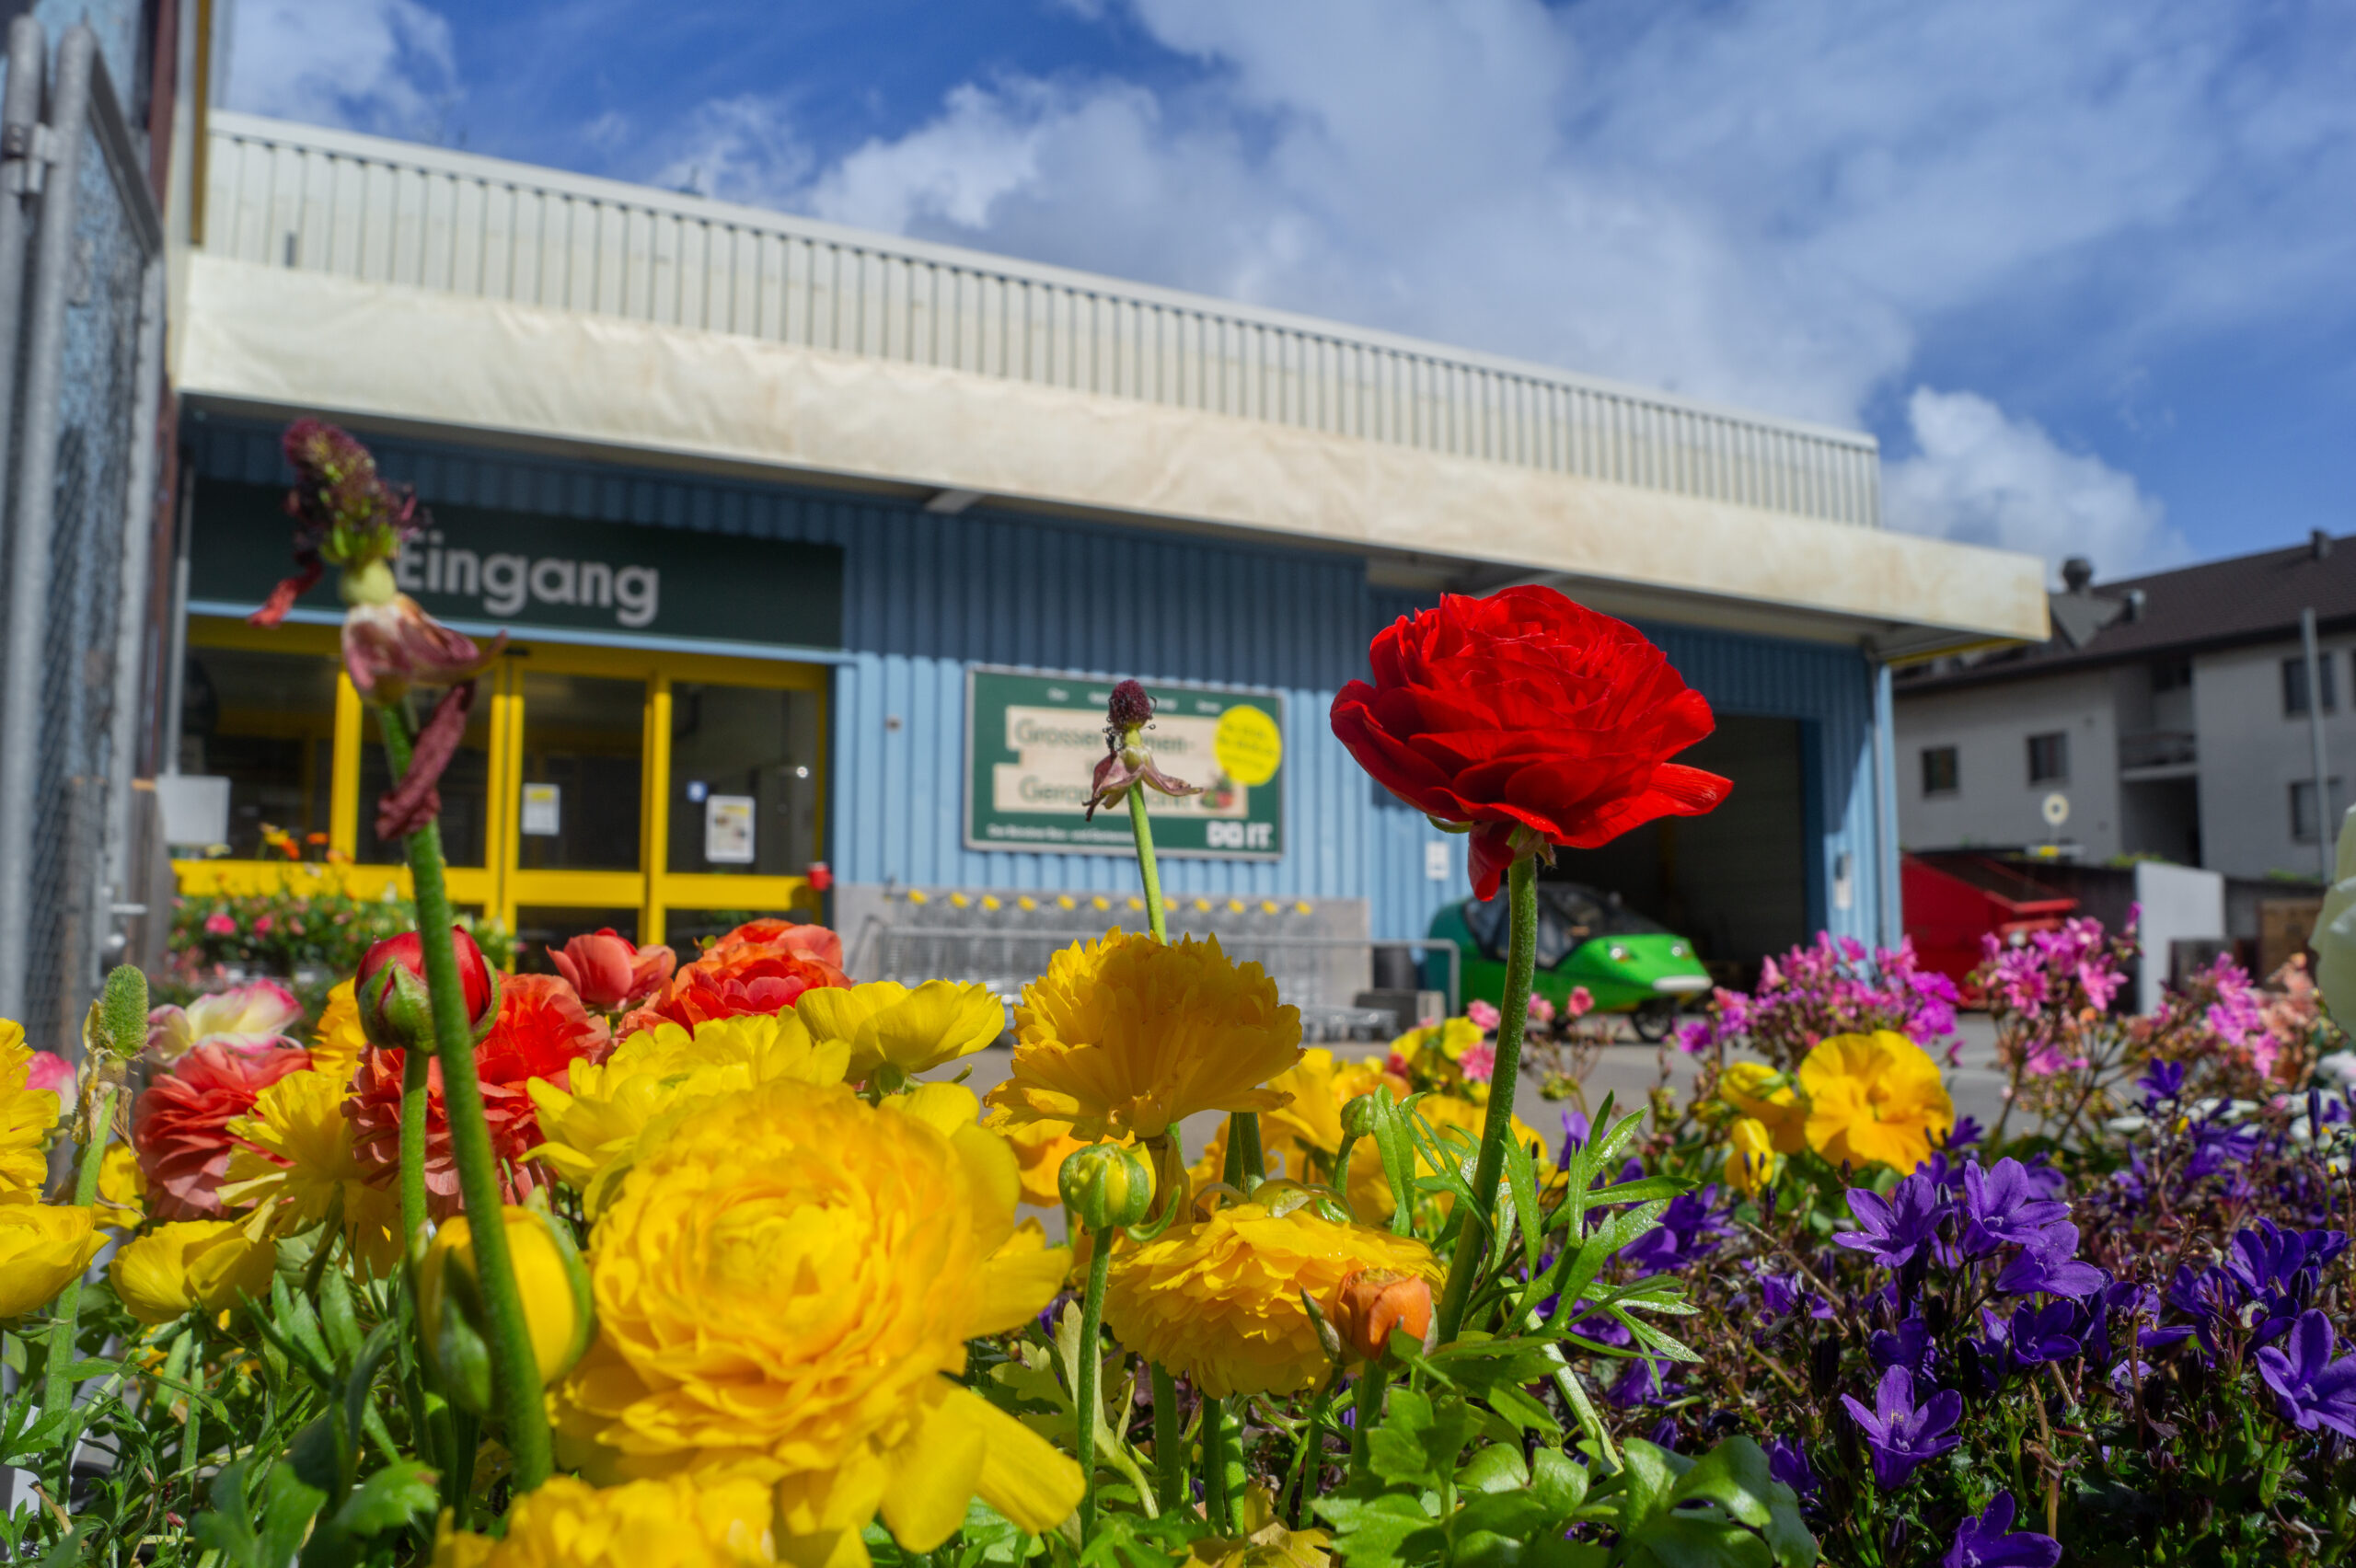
pixel 364 207
pixel 2159 748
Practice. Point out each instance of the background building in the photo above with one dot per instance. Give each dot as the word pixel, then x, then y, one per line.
pixel 782 517
pixel 2170 711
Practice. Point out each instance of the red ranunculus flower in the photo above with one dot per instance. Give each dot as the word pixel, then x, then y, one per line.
pixel 1527 711
pixel 608 971
pixel 542 1030
pixel 179 1124
pixel 762 966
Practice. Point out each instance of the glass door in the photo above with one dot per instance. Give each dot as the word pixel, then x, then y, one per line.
pixel 576 827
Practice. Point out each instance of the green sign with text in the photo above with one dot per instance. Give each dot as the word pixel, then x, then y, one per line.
pixel 529 569
pixel 1032 742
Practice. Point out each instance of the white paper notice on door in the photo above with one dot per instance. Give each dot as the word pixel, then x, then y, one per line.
pixel 728 830
pixel 543 811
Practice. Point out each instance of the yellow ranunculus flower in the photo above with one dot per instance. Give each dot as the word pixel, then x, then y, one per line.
pixel 1451 1037
pixel 43 1246
pixel 676 1522
pixel 1040 1149
pixel 122 1189
pixel 26 1117
pixel 1874 1099
pixel 1320 1087
pixel 1264 1542
pixel 190 1263
pixel 338 1040
pixel 1751 1159
pixel 884 1023
pixel 451 1316
pixel 1218 1300
pixel 294 1158
pixel 1752 1088
pixel 785 1284
pixel 1131 1036
pixel 593 1127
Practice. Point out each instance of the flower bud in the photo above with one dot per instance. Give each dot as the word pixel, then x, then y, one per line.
pixel 550 1278
pixel 395 1008
pixel 1360 1116
pixel 1370 1303
pixel 1107 1184
pixel 1131 706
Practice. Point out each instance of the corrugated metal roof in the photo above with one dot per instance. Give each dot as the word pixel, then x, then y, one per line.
pixel 301 197
pixel 2251 598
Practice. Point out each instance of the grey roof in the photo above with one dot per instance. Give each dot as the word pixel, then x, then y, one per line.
pixel 2251 598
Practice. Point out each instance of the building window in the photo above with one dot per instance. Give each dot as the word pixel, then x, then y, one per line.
pixel 2295 686
pixel 1938 770
pixel 2175 674
pixel 2049 758
pixel 2302 808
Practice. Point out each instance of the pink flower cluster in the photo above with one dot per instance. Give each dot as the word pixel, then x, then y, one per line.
pixel 1837 987
pixel 2237 1014
pixel 2047 967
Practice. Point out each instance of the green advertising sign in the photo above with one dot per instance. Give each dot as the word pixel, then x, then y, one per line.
pixel 1032 742
pixel 526 570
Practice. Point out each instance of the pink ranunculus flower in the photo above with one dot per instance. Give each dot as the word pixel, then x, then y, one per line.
pixel 49 1070
pixel 1541 1011
pixel 609 973
pixel 219 923
pixel 1483 1014
pixel 1479 1062
pixel 1581 1001
pixel 252 1017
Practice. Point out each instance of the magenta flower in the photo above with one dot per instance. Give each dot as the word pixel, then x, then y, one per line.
pixel 1483 1015
pixel 1479 1062
pixel 219 923
pixel 51 1071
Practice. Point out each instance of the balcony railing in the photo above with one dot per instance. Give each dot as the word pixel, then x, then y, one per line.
pixel 2157 748
pixel 296 196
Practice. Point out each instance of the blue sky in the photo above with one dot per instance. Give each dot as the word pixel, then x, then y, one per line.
pixel 2086 266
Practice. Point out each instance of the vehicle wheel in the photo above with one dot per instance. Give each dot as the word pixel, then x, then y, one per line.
pixel 1653 1021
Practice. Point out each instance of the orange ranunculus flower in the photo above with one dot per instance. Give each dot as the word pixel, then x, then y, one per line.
pixel 762 966
pixel 1370 1303
pixel 180 1124
pixel 542 1030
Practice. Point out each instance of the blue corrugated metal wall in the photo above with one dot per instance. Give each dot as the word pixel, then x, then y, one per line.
pixel 927 595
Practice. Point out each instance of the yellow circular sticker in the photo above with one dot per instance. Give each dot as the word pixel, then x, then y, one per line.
pixel 1247 746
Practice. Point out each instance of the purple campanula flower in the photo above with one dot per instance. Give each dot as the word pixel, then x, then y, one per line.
pixel 1779 1293
pixel 2002 1205
pixel 2312 1389
pixel 2052 1266
pixel 2265 1257
pixel 1989 1541
pixel 1643 1381
pixel 1908 1345
pixel 1689 1228
pixel 1894 1228
pixel 1900 1434
pixel 2051 1333
pixel 1965 1132
pixel 2217 1147
pixel 1787 1462
pixel 2161 1082
pixel 1576 1129
pixel 1664 1434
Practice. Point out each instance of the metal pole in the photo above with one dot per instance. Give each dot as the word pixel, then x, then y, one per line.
pixel 23 161
pixel 176 655
pixel 31 511
pixel 2326 835
pixel 138 585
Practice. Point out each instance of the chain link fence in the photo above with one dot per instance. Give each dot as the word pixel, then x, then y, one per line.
pixel 79 326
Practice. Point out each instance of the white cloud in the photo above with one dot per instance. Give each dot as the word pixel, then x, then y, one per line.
pixel 1987 479
pixel 381 65
pixel 739 149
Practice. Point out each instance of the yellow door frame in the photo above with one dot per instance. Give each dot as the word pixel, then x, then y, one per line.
pixel 500 886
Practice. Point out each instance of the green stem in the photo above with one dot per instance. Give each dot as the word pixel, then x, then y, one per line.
pixel 1244 1128
pixel 57 1389
pixel 1373 1384
pixel 515 1372
pixel 1473 1240
pixel 1215 1513
pixel 1169 1441
pixel 1088 1402
pixel 1147 871
pixel 1309 1459
pixel 394 724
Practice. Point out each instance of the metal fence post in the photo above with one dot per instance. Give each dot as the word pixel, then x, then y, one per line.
pixel 31 513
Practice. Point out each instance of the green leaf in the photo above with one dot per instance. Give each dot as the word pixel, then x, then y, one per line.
pixel 341 1327
pixel 1557 1481
pixel 1725 1511
pixel 1418 1441
pixel 1647 1481
pixel 1496 1468
pixel 228 1528
pixel 390 1498
pixel 1381 1532
pixel 1521 1181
